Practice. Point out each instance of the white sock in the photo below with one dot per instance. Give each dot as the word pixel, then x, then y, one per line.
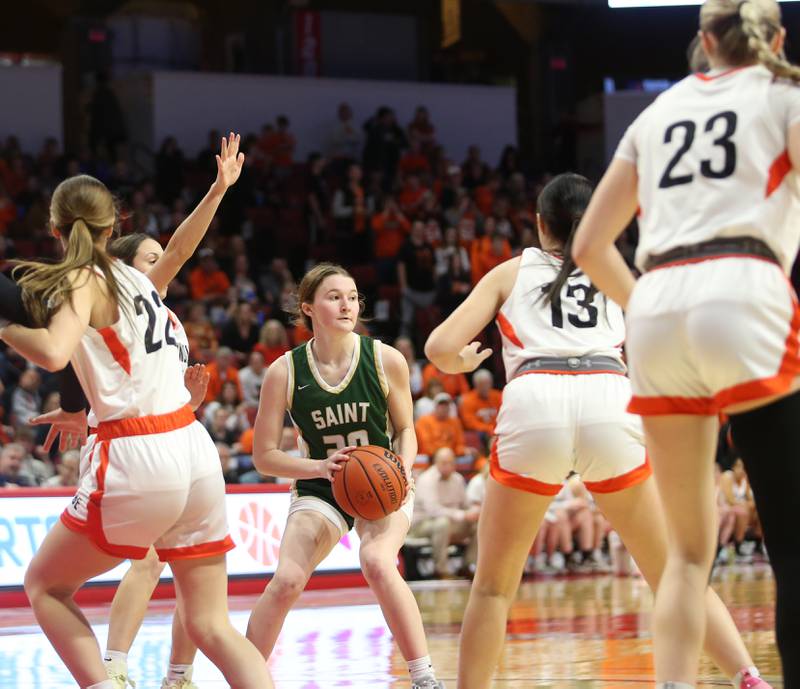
pixel 115 655
pixel 105 684
pixel 420 668
pixel 752 671
pixel 178 672
pixel 674 685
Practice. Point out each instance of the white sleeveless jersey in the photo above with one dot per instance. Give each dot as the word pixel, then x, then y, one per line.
pixel 581 322
pixel 712 162
pixel 132 368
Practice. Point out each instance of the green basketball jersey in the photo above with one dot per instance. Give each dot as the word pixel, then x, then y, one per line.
pixel 355 412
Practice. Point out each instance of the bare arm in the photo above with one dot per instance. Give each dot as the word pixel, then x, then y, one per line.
pixel 268 458
pixel 450 345
pixel 53 346
pixel 192 230
pixel 401 406
pixel 612 206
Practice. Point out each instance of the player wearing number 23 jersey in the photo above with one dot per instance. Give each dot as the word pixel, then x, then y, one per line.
pixel 355 412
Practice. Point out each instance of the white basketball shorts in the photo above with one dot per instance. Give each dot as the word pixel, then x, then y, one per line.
pixel 153 480
pixel 550 425
pixel 706 335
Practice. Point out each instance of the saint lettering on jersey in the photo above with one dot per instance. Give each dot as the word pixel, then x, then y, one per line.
pixel 340 414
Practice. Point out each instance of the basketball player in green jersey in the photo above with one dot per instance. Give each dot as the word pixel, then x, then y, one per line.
pixel 341 390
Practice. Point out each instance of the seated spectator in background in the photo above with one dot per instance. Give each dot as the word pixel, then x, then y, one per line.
pixel 442 512
pixel 273 280
pixel 439 429
pixel 486 193
pixel 200 333
pixel 351 217
pixel 389 230
pixel 251 377
pixel 11 469
pixel 488 252
pixel 317 199
pixel 242 281
pixel 217 427
pixel 273 341
pixel 230 400
pixel 230 467
pixel 26 402
pixel 35 462
pixel 453 287
pixel 412 196
pixel 385 140
pixel 476 488
pixel 425 405
pixel 450 246
pixel 479 407
pixel 279 144
pixel 415 268
pixel 474 169
pixel 414 161
pixel 406 347
pixel 207 282
pixel 66 471
pixel 455 384
pixel 421 128
pixel 240 332
pixel 738 496
pixel 346 140
pixel 220 370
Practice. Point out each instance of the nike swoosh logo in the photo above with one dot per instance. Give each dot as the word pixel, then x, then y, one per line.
pixel 303 387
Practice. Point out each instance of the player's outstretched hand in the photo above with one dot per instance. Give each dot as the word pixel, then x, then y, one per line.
pixel 229 162
pixel 72 426
pixel 196 381
pixel 335 462
pixel 471 357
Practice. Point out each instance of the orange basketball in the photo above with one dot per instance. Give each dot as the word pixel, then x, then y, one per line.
pixel 372 483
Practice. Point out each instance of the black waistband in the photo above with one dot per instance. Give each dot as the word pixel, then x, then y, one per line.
pixel 571 364
pixel 723 246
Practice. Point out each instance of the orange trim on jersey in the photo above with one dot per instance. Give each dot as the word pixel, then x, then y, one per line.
pixel 569 373
pixel 743 392
pixel 508 330
pixel 780 167
pixel 194 551
pixel 512 480
pixel 146 425
pixel 715 257
pixel 117 349
pixel 705 77
pixel 632 478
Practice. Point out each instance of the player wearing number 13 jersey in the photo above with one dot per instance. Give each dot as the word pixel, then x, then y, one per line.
pixel 563 410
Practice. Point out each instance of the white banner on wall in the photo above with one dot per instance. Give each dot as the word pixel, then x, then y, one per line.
pixel 256 522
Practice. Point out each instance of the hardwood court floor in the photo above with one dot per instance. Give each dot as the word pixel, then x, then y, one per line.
pixel 588 633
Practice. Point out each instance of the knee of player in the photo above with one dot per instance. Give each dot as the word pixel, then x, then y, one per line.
pixel 205 631
pixel 375 565
pixel 287 586
pixel 149 566
pixel 37 585
pixel 489 588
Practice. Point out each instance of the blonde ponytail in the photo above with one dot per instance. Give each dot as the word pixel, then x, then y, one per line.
pixel 744 30
pixel 81 209
pixel 753 26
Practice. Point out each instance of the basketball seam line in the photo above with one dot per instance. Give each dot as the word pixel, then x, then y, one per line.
pixel 346 493
pixel 401 479
pixel 374 489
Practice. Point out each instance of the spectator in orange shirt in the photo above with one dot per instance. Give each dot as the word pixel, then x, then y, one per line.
pixel 488 252
pixel 279 145
pixel 439 429
pixel 207 282
pixel 412 196
pixel 485 194
pixel 200 333
pixel 390 229
pixel 221 370
pixel 414 161
pixel 273 341
pixel 479 407
pixel 455 384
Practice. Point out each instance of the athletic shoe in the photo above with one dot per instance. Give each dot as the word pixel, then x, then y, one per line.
pixel 748 681
pixel 118 672
pixel 430 683
pixel 557 562
pixel 185 683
